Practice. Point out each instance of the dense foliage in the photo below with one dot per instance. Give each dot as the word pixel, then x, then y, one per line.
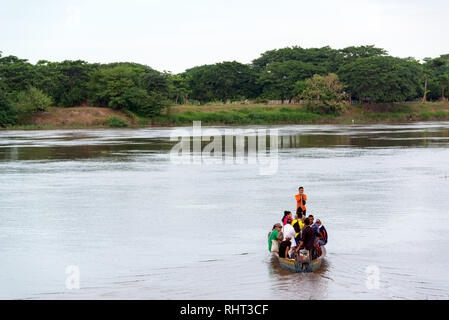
pixel 382 79
pixel 361 74
pixel 324 94
pixel 30 102
pixel 8 114
pixel 222 81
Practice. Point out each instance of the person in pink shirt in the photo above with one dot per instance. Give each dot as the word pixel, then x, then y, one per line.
pixel 287 215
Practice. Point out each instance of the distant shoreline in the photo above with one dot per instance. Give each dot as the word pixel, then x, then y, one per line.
pixel 234 114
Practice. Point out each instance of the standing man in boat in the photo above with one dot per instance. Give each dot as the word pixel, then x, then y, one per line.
pixel 301 199
pixel 307 238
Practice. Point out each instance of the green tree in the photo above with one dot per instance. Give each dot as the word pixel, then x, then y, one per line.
pixel 382 79
pixel 434 71
pixel 155 81
pixel 8 114
pixel 222 81
pixel 324 94
pixel 16 75
pixel 31 102
pixel 122 86
pixel 350 54
pixel 66 82
pixel 299 88
pixel 179 88
pixel 326 58
pixel 279 78
pixel 108 86
pixel 443 80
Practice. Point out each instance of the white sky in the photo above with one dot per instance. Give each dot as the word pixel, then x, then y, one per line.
pixel 174 35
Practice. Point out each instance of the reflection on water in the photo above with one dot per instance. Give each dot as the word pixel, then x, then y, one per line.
pixel 139 226
pixel 93 144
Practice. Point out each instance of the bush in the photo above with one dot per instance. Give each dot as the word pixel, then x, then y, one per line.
pixel 117 122
pixel 426 115
pixel 441 114
pixel 324 94
pixel 325 107
pixel 31 102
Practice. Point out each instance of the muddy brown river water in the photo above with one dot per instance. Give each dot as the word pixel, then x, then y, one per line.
pixel 111 211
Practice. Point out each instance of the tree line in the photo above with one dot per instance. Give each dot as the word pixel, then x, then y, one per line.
pixel 324 78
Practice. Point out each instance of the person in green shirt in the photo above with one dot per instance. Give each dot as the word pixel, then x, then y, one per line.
pixel 274 234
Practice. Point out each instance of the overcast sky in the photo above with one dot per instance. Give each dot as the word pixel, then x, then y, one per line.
pixel 174 35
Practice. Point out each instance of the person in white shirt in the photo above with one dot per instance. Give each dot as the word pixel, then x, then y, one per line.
pixel 289 232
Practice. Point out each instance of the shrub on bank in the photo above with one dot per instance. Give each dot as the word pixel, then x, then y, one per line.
pixel 31 102
pixel 117 122
pixel 440 115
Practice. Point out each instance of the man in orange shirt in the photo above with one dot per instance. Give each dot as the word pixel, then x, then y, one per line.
pixel 301 199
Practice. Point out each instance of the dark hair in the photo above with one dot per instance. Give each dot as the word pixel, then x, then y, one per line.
pixel 285 214
pixel 310 215
pixel 300 188
pixel 307 222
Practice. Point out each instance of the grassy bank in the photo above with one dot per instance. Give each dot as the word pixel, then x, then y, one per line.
pixel 297 114
pixel 235 116
pixel 218 114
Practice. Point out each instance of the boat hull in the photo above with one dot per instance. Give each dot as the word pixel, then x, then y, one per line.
pixel 301 267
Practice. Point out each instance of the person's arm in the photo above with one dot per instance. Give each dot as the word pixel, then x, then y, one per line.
pixel 287 249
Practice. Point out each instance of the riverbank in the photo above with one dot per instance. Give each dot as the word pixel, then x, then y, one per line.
pixel 79 118
pixel 298 114
pixel 236 114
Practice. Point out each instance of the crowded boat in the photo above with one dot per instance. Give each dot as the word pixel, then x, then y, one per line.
pixel 299 241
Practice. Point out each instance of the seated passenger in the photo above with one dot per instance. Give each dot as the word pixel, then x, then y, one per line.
pixel 288 229
pixel 289 232
pixel 273 238
pixel 322 233
pixel 284 248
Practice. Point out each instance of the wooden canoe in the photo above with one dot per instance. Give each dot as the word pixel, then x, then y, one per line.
pixel 301 266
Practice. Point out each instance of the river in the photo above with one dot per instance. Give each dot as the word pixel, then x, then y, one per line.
pixel 110 212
